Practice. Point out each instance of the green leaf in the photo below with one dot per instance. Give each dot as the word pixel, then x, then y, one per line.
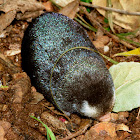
pixel 126 77
pixel 49 132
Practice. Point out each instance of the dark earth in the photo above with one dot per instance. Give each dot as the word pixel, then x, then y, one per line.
pixel 19 99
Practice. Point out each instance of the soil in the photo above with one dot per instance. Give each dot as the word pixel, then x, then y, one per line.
pixel 19 99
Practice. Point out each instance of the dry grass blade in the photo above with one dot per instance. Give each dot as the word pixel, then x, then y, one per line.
pixel 109 15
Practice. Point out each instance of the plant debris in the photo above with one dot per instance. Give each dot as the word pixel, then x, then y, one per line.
pixel 19 100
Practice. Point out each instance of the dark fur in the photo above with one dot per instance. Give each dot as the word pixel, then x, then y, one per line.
pixel 79 75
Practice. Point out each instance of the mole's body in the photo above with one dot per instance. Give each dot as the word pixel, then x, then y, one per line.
pixel 81 82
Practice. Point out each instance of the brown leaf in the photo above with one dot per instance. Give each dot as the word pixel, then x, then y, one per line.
pixel 21 5
pixel 122 127
pixel 6 19
pixel 21 87
pixel 125 21
pixel 71 9
pixel 48 6
pixel 105 126
pixel 12 52
pixel 62 3
pixel 13 7
pixel 37 97
pixel 2 133
pixel 28 15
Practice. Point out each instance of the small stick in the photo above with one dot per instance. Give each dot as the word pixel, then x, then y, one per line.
pixel 82 130
pixel 98 25
pixel 111 9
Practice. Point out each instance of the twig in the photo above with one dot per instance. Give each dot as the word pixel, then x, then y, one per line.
pixel 111 9
pixel 98 25
pixel 81 131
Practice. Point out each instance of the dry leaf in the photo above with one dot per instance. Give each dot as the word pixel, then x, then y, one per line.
pixel 20 9
pixel 21 5
pixel 71 9
pixel 125 21
pixel 37 97
pixel 101 44
pixel 28 15
pixel 12 52
pixel 6 19
pixel 122 127
pixel 62 3
pixel 106 126
pixel 2 133
pixel 48 6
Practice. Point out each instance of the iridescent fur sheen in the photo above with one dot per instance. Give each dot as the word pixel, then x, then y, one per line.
pixel 79 76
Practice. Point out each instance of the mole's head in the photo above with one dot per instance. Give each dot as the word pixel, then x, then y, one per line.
pixel 89 88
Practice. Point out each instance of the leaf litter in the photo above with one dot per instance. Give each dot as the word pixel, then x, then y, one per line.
pixel 17 104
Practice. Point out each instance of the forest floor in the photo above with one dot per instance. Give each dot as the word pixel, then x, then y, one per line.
pixel 19 99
